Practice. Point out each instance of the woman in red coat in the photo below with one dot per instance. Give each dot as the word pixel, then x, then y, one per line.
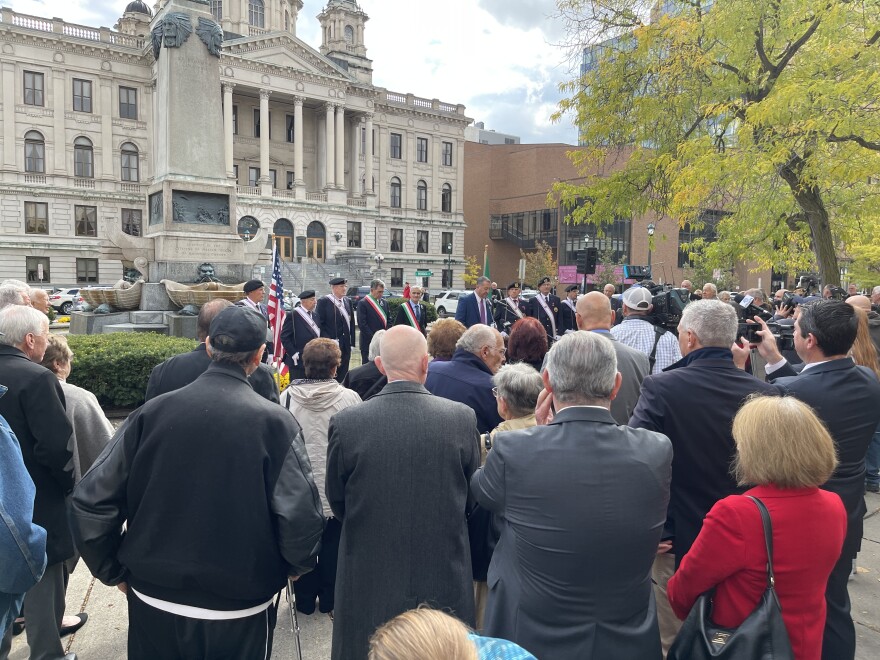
pixel 784 450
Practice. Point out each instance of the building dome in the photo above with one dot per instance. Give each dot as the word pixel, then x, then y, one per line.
pixel 138 7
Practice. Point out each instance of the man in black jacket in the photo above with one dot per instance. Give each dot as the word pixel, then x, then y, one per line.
pixel 545 307
pixel 180 370
pixel 336 320
pixel 372 315
pixel 216 486
pixel 34 409
pixel 412 312
pixel 300 327
pixel 845 398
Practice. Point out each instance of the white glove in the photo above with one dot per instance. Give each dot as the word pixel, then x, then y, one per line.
pixel 295 358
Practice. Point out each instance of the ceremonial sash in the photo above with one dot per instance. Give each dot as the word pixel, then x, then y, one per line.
pixel 308 319
pixel 379 310
pixel 571 304
pixel 549 313
pixel 514 306
pixel 407 309
pixel 341 307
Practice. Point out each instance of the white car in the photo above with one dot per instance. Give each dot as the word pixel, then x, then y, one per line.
pixel 63 299
pixel 446 302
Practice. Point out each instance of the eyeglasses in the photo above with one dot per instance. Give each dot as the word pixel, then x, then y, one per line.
pixel 495 392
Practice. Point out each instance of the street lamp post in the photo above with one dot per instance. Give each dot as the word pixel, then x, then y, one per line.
pixel 449 261
pixel 378 258
pixel 586 243
pixel 651 229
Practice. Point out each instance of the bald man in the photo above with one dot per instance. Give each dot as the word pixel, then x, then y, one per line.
pixel 398 467
pixel 594 314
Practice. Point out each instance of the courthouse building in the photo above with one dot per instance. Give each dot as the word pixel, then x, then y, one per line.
pixel 337 169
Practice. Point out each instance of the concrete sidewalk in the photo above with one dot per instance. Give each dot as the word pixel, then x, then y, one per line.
pixel 104 636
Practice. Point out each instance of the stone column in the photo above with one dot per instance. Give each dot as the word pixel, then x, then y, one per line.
pixel 458 160
pixel 340 146
pixel 265 180
pixel 354 174
pixel 59 160
pixel 9 118
pixel 109 155
pixel 329 146
pixel 227 128
pixel 298 141
pixel 368 156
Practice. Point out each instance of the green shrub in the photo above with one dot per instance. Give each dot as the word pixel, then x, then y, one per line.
pixel 394 303
pixel 116 366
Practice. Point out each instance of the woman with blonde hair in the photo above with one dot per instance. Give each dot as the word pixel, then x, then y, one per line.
pixel 786 453
pixel 863 351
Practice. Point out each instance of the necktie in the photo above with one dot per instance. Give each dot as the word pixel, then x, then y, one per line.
pixel 482 304
pixel 416 309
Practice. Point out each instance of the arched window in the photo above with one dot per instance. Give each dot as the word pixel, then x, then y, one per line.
pixel 34 152
pixel 256 13
pixel 446 198
pixel 422 196
pixel 286 22
pixel 248 228
pixel 83 158
pixel 130 163
pixel 216 7
pixel 349 34
pixel 395 192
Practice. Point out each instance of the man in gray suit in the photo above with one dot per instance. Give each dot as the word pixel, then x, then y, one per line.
pixel 398 467
pixel 582 502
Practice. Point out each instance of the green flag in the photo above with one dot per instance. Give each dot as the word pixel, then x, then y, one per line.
pixel 486 261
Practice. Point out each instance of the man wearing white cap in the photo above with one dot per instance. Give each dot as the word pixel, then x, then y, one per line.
pixel 638 332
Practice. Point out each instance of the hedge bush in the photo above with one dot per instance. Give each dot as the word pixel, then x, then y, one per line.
pixel 116 366
pixel 394 303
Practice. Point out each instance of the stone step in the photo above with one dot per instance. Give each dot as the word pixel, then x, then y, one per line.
pixel 160 328
pixel 145 318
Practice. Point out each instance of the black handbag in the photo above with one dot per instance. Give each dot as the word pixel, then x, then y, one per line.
pixel 762 636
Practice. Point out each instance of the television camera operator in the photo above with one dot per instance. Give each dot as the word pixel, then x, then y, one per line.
pixel 639 331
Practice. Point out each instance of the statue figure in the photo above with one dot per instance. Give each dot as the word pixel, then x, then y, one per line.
pixel 189 310
pixel 211 35
pixel 131 275
pixel 206 274
pixel 103 309
pixel 173 30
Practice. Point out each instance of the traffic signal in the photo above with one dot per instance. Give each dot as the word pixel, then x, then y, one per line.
pixel 592 259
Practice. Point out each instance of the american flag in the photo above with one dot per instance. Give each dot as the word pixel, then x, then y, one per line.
pixel 276 311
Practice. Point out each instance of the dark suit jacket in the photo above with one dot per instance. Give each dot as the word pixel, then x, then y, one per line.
pixel 366 380
pixel 537 311
pixel 582 503
pixel 181 370
pixel 369 321
pixel 34 409
pixel 567 318
pixel 295 334
pixel 468 313
pixel 505 317
pixel 693 403
pixel 847 398
pixel 398 467
pixel 466 379
pixel 332 323
pixel 402 319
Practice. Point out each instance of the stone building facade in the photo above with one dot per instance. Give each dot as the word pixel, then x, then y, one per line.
pixel 336 169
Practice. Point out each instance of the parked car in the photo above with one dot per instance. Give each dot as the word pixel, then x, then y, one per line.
pixel 62 300
pixel 355 293
pixel 446 302
pixel 527 294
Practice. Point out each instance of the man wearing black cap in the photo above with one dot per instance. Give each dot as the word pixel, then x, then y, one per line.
pixel 568 310
pixel 545 308
pixel 253 297
pixel 336 320
pixel 511 309
pixel 300 327
pixel 222 477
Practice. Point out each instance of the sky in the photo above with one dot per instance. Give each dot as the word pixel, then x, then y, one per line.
pixel 499 58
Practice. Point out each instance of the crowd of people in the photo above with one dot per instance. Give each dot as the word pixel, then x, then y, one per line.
pixel 520 482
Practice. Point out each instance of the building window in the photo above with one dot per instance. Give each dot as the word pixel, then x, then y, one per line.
pixel 34 152
pixel 422 242
pixel 397 277
pixel 83 158
pixel 37 269
pixel 253 176
pixel 82 95
pixel 396 240
pixel 85 220
pixel 130 163
pixel 291 179
pixel 256 13
pixel 446 198
pixel 256 122
pixel 235 172
pixel 132 222
pixel 396 145
pixel 286 21
pixel 36 218
pixel 395 192
pixel 273 174
pixel 690 235
pixel 216 7
pixel 509 141
pixel 446 278
pixel 446 247
pixel 447 154
pixel 87 270
pixel 290 128
pixel 235 120
pixel 128 108
pixel 422 150
pixel 349 34
pixel 422 196
pixel 248 228
pixel 354 234
pixel 33 88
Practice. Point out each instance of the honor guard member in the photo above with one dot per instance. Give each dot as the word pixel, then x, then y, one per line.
pixel 568 310
pixel 336 321
pixel 372 315
pixel 545 308
pixel 300 327
pixel 413 312
pixel 253 299
pixel 511 309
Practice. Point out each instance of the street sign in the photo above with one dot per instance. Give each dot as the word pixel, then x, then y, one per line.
pixel 424 273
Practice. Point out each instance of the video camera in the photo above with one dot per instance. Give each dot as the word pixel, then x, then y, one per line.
pixel 668 304
pixel 784 334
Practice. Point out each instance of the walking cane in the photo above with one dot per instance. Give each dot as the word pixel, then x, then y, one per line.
pixel 294 622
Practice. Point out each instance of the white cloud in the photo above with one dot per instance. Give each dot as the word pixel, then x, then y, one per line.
pixel 497 58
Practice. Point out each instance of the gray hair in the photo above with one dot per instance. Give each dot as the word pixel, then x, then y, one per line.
pixel 724 296
pixel 711 286
pixel 18 321
pixel 374 345
pixel 475 338
pixel 375 283
pixel 519 385
pixel 714 322
pixel 9 295
pixel 582 367
pixel 757 294
pixel 482 279
pixel 875 291
pixel 16 284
